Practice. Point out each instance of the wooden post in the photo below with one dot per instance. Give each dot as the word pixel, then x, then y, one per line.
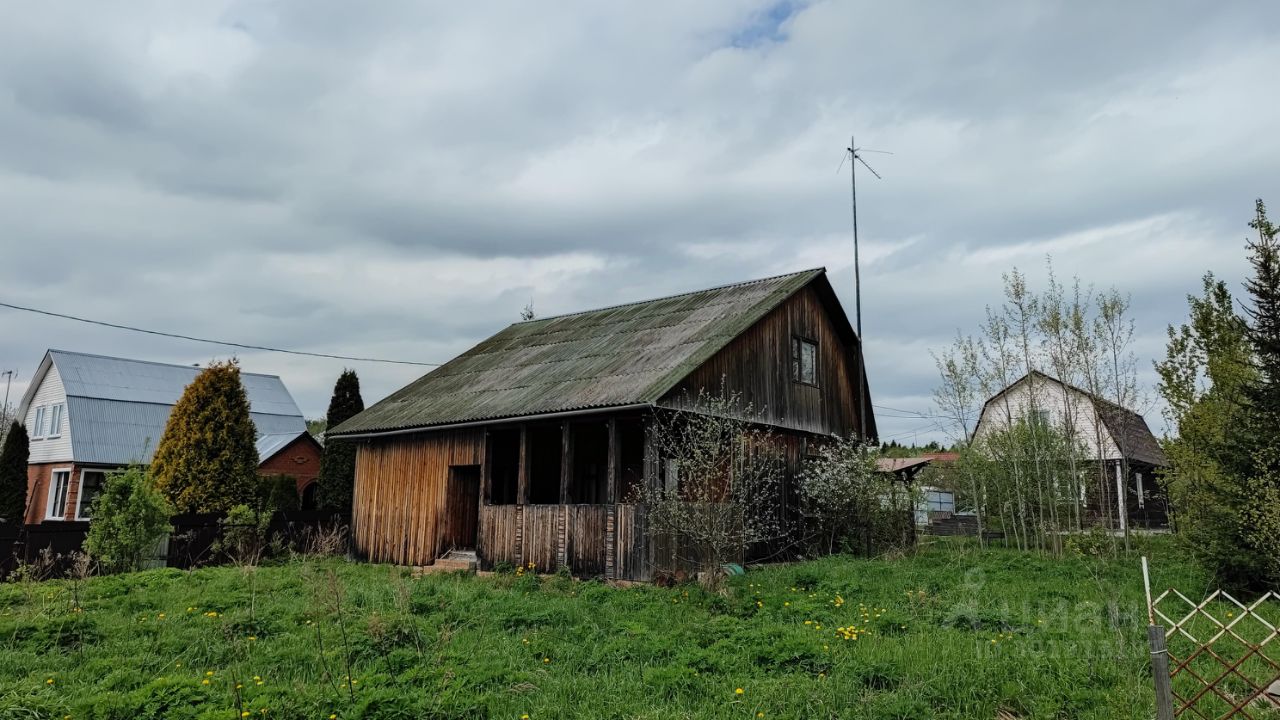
pixel 522 479
pixel 611 498
pixel 652 478
pixel 566 462
pixel 611 492
pixel 1160 672
pixel 486 470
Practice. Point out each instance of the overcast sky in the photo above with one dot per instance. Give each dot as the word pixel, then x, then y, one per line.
pixel 398 179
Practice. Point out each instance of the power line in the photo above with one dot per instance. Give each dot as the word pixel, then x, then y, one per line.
pixel 227 343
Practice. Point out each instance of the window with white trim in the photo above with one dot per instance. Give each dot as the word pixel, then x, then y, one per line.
pixel 55 421
pixel 59 486
pixel 37 427
pixel 91 483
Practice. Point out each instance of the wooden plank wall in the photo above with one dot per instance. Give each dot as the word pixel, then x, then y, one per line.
pixel 757 364
pixel 541 537
pixel 585 541
pixel 398 510
pixel 632 545
pixel 497 538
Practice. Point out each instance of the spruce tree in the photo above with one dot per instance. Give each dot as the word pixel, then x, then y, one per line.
pixel 338 463
pixel 13 474
pixel 207 459
pixel 1259 449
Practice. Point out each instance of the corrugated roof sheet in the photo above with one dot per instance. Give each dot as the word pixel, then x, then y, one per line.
pixel 613 356
pixel 108 378
pixel 117 408
pixel 121 433
pixel 269 445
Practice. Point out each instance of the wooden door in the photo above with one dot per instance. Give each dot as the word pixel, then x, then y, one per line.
pixel 462 508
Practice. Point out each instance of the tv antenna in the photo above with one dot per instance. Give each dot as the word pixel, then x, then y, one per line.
pixel 853 154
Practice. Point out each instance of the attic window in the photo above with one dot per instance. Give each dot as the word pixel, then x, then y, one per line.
pixel 804 361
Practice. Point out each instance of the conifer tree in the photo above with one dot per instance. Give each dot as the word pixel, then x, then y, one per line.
pixel 13 474
pixel 207 459
pixel 1259 450
pixel 338 464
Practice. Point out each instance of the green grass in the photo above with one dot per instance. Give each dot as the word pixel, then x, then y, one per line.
pixel 950 632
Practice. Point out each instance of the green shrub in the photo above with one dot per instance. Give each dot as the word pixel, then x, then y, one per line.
pixel 244 534
pixel 129 518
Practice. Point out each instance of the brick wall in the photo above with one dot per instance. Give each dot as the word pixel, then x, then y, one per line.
pixel 38 478
pixel 299 459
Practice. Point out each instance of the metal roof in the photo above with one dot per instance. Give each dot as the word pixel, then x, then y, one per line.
pixel 269 445
pixel 621 355
pixel 117 408
pixel 109 378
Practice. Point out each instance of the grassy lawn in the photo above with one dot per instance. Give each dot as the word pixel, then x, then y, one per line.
pixel 950 632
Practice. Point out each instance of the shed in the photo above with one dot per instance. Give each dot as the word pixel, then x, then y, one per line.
pixel 523 448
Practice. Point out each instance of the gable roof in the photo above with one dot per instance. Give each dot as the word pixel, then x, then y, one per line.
pixel 1129 429
pixel 616 356
pixel 270 445
pixel 117 408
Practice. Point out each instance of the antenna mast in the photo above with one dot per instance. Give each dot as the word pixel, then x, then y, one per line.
pixel 854 153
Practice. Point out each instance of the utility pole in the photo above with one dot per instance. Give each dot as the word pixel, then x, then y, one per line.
pixel 4 409
pixel 854 153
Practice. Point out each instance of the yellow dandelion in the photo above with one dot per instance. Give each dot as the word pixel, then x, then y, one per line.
pixel 739 691
pixel 759 714
pixel 546 660
pixel 253 638
pixel 209 673
pixel 786 604
pixel 204 681
pixel 244 714
pixel 334 716
pixel 49 681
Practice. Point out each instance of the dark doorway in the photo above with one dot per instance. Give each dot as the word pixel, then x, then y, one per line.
pixel 630 459
pixel 545 452
pixel 309 495
pixel 504 454
pixel 462 507
pixel 590 484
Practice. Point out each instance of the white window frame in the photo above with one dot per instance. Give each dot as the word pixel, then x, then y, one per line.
pixel 37 429
pixel 80 489
pixel 56 413
pixel 53 486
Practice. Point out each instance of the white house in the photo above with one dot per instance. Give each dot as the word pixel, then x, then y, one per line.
pixel 89 414
pixel 1129 451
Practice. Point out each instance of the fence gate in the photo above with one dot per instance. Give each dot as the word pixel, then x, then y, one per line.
pixel 1214 658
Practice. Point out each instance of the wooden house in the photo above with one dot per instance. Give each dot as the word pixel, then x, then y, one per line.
pixel 89 414
pixel 1116 437
pixel 524 448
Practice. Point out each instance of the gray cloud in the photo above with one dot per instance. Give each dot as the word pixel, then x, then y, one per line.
pixel 399 178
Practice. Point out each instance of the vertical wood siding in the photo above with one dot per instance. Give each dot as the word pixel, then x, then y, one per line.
pixel 398 513
pixel 585 538
pixel 497 541
pixel 632 545
pixel 757 364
